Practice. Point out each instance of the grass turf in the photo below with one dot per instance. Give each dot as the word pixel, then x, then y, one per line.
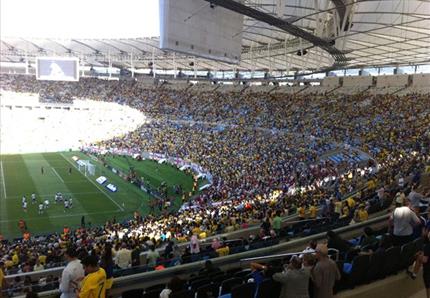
pixel 21 175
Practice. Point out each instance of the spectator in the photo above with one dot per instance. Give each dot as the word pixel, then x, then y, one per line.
pixel 194 245
pixel 402 222
pixel 361 214
pixel 94 283
pixel 123 257
pixel 152 256
pixel 175 285
pixel 107 264
pixel 368 239
pixel 38 266
pixel 72 274
pixel 324 273
pixel 336 242
pixel 294 280
pixel 277 221
pixel 209 268
pixel 2 279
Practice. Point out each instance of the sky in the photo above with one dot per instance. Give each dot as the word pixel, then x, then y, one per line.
pixel 79 18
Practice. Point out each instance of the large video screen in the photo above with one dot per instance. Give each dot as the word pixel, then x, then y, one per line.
pixel 57 68
pixel 195 27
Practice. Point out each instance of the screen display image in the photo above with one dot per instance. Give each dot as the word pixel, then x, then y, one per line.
pixel 57 69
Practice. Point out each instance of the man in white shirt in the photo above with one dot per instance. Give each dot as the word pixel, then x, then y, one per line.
pixel 123 257
pixel 403 221
pixel 72 274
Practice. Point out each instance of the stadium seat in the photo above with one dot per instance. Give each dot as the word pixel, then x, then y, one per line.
pixel 135 293
pixel 152 294
pixel 246 290
pixel 392 258
pixel 182 294
pixel 376 266
pixel 207 291
pixel 198 283
pixel 155 287
pixel 268 288
pixel 243 273
pixel 407 255
pixel 357 276
pixel 228 284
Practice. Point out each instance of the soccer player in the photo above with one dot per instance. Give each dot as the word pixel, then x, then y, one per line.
pixel 41 170
pixel 66 205
pixel 24 206
pixel 70 202
pixel 70 170
pixel 46 204
pixel 33 198
pixel 94 284
pixel 40 208
pixel 24 199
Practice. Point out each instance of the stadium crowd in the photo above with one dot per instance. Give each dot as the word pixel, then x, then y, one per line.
pixel 266 152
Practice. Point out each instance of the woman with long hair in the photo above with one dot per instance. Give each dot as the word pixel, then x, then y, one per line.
pixel 106 262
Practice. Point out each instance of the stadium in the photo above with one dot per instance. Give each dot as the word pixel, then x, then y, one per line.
pixel 215 148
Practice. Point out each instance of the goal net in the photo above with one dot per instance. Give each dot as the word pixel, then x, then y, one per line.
pixel 86 167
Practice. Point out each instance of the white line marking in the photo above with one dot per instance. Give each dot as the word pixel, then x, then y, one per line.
pixel 53 194
pixel 57 175
pixel 2 179
pixel 63 215
pixel 101 189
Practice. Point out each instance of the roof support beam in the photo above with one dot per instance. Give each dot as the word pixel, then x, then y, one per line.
pixel 240 8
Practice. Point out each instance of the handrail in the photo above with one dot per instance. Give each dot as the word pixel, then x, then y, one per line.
pixel 230 259
pixel 185 269
pixel 281 256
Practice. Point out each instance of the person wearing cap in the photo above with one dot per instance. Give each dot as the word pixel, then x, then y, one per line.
pixel 94 283
pixel 324 274
pixel 72 274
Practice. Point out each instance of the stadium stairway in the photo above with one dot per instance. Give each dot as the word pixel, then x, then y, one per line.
pixel 398 286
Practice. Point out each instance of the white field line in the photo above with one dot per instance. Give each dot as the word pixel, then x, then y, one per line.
pixel 59 177
pixel 53 194
pixel 96 185
pixel 63 215
pixel 2 179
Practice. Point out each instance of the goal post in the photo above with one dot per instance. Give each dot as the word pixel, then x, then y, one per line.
pixel 86 167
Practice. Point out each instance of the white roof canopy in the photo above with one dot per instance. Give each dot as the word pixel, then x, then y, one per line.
pixel 368 33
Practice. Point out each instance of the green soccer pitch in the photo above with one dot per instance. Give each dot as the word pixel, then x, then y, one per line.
pixel 22 175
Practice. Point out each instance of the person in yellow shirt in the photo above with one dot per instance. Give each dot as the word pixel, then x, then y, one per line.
pixel 15 258
pixel 2 279
pixel 301 211
pixel 94 283
pixel 313 211
pixel 351 202
pixel 361 214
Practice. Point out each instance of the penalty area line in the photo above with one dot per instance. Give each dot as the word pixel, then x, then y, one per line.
pixel 58 175
pixel 101 189
pixel 3 180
